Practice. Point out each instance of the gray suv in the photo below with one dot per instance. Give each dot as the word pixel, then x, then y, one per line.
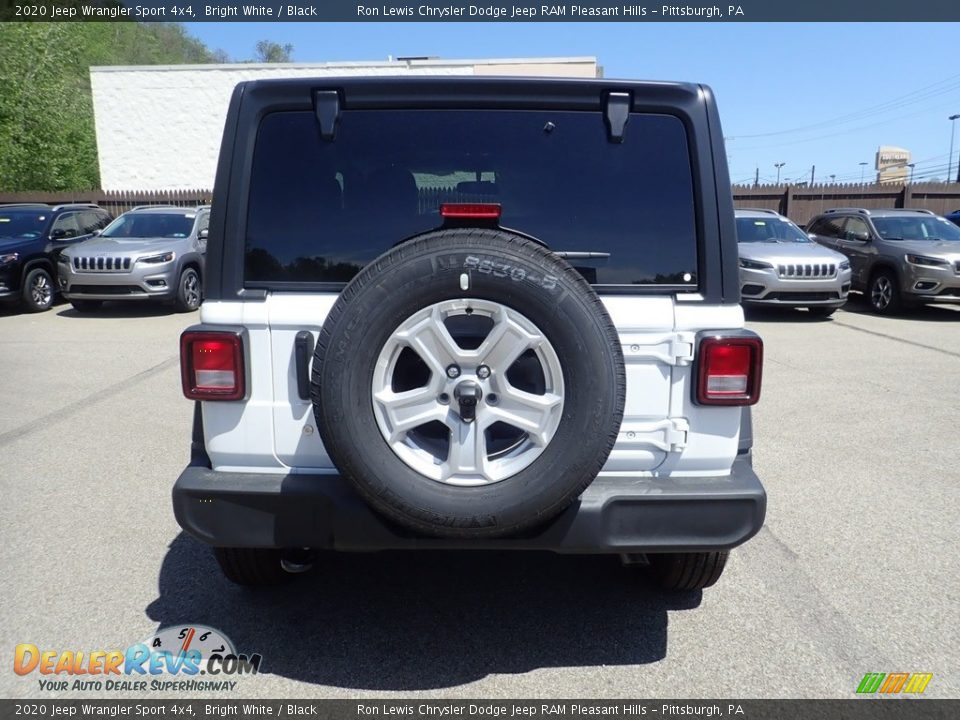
pixel 898 257
pixel 148 253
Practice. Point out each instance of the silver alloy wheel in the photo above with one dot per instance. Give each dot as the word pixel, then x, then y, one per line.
pixel 191 289
pixel 882 292
pixel 468 459
pixel 41 290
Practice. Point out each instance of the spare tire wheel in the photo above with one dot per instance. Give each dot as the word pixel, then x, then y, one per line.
pixel 469 383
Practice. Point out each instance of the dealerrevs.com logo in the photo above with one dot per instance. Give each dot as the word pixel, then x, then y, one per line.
pixel 173 659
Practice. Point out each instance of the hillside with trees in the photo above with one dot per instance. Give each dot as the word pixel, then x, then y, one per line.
pixel 47 139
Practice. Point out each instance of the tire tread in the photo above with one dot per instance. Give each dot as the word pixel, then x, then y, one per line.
pixel 254 567
pixel 688 571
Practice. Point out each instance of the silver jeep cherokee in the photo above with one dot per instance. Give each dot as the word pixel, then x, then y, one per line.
pixel 148 253
pixel 779 265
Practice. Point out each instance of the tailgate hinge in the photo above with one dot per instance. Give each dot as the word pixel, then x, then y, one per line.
pixel 682 348
pixel 676 434
pixel 674 348
pixel 668 435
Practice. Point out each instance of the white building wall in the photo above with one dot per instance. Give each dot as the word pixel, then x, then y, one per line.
pixel 159 127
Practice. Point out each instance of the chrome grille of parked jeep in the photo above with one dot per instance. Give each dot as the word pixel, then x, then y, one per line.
pixel 101 264
pixel 805 271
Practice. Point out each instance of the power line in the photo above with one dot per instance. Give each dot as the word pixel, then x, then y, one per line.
pixel 848 131
pixel 911 98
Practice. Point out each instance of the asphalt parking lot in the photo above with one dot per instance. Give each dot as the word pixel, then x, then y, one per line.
pixel 855 571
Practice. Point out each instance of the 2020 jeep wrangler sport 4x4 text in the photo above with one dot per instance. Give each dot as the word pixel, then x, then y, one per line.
pixel 471 313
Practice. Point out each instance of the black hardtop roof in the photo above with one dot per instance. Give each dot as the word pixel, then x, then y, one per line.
pixel 456 83
pixel 358 92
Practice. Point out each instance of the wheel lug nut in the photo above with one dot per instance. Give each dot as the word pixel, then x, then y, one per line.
pixel 453 371
pixel 483 372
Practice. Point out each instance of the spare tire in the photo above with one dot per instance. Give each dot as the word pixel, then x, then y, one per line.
pixel 469 383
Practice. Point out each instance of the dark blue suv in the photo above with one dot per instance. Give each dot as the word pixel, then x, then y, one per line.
pixel 954 217
pixel 31 237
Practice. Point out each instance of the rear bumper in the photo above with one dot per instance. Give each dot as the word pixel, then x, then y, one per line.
pixel 614 515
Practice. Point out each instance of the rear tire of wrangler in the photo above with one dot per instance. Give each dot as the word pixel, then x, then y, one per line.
pixel 687 571
pixel 433 468
pixel 253 567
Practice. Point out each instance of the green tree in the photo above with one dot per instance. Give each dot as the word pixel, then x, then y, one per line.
pixel 46 114
pixel 271 52
pixel 47 138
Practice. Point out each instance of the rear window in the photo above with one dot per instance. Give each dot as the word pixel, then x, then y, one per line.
pixel 319 211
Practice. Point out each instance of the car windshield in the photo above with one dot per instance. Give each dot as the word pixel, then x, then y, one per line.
pixel 26 224
pixel 150 225
pixel 771 229
pixel 911 227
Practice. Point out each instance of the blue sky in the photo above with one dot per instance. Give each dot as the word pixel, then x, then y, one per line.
pixel 823 94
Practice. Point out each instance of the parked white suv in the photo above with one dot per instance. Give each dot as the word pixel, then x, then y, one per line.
pixel 471 313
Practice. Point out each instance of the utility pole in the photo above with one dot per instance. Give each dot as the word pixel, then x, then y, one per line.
pixel 813 169
pixel 778 166
pixel 756 177
pixel 863 166
pixel 833 179
pixel 953 125
pixel 911 166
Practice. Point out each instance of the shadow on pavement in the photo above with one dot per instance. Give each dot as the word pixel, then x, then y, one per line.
pixel 424 620
pixel 132 309
pixel 761 314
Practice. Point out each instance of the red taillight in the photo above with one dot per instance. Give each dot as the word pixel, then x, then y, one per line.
pixel 729 370
pixel 473 211
pixel 211 365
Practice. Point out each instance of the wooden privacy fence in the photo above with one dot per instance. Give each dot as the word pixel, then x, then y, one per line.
pixel 800 204
pixel 114 202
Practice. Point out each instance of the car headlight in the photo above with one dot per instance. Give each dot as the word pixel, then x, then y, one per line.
pixel 927 260
pixel 9 258
pixel 157 259
pixel 754 265
pixel 844 264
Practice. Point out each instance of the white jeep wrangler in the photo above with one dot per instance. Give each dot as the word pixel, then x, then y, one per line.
pixel 471 313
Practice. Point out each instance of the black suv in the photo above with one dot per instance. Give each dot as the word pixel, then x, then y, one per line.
pixel 31 237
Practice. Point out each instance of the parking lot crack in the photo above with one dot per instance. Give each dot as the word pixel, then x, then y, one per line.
pixel 85 402
pixel 814 610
